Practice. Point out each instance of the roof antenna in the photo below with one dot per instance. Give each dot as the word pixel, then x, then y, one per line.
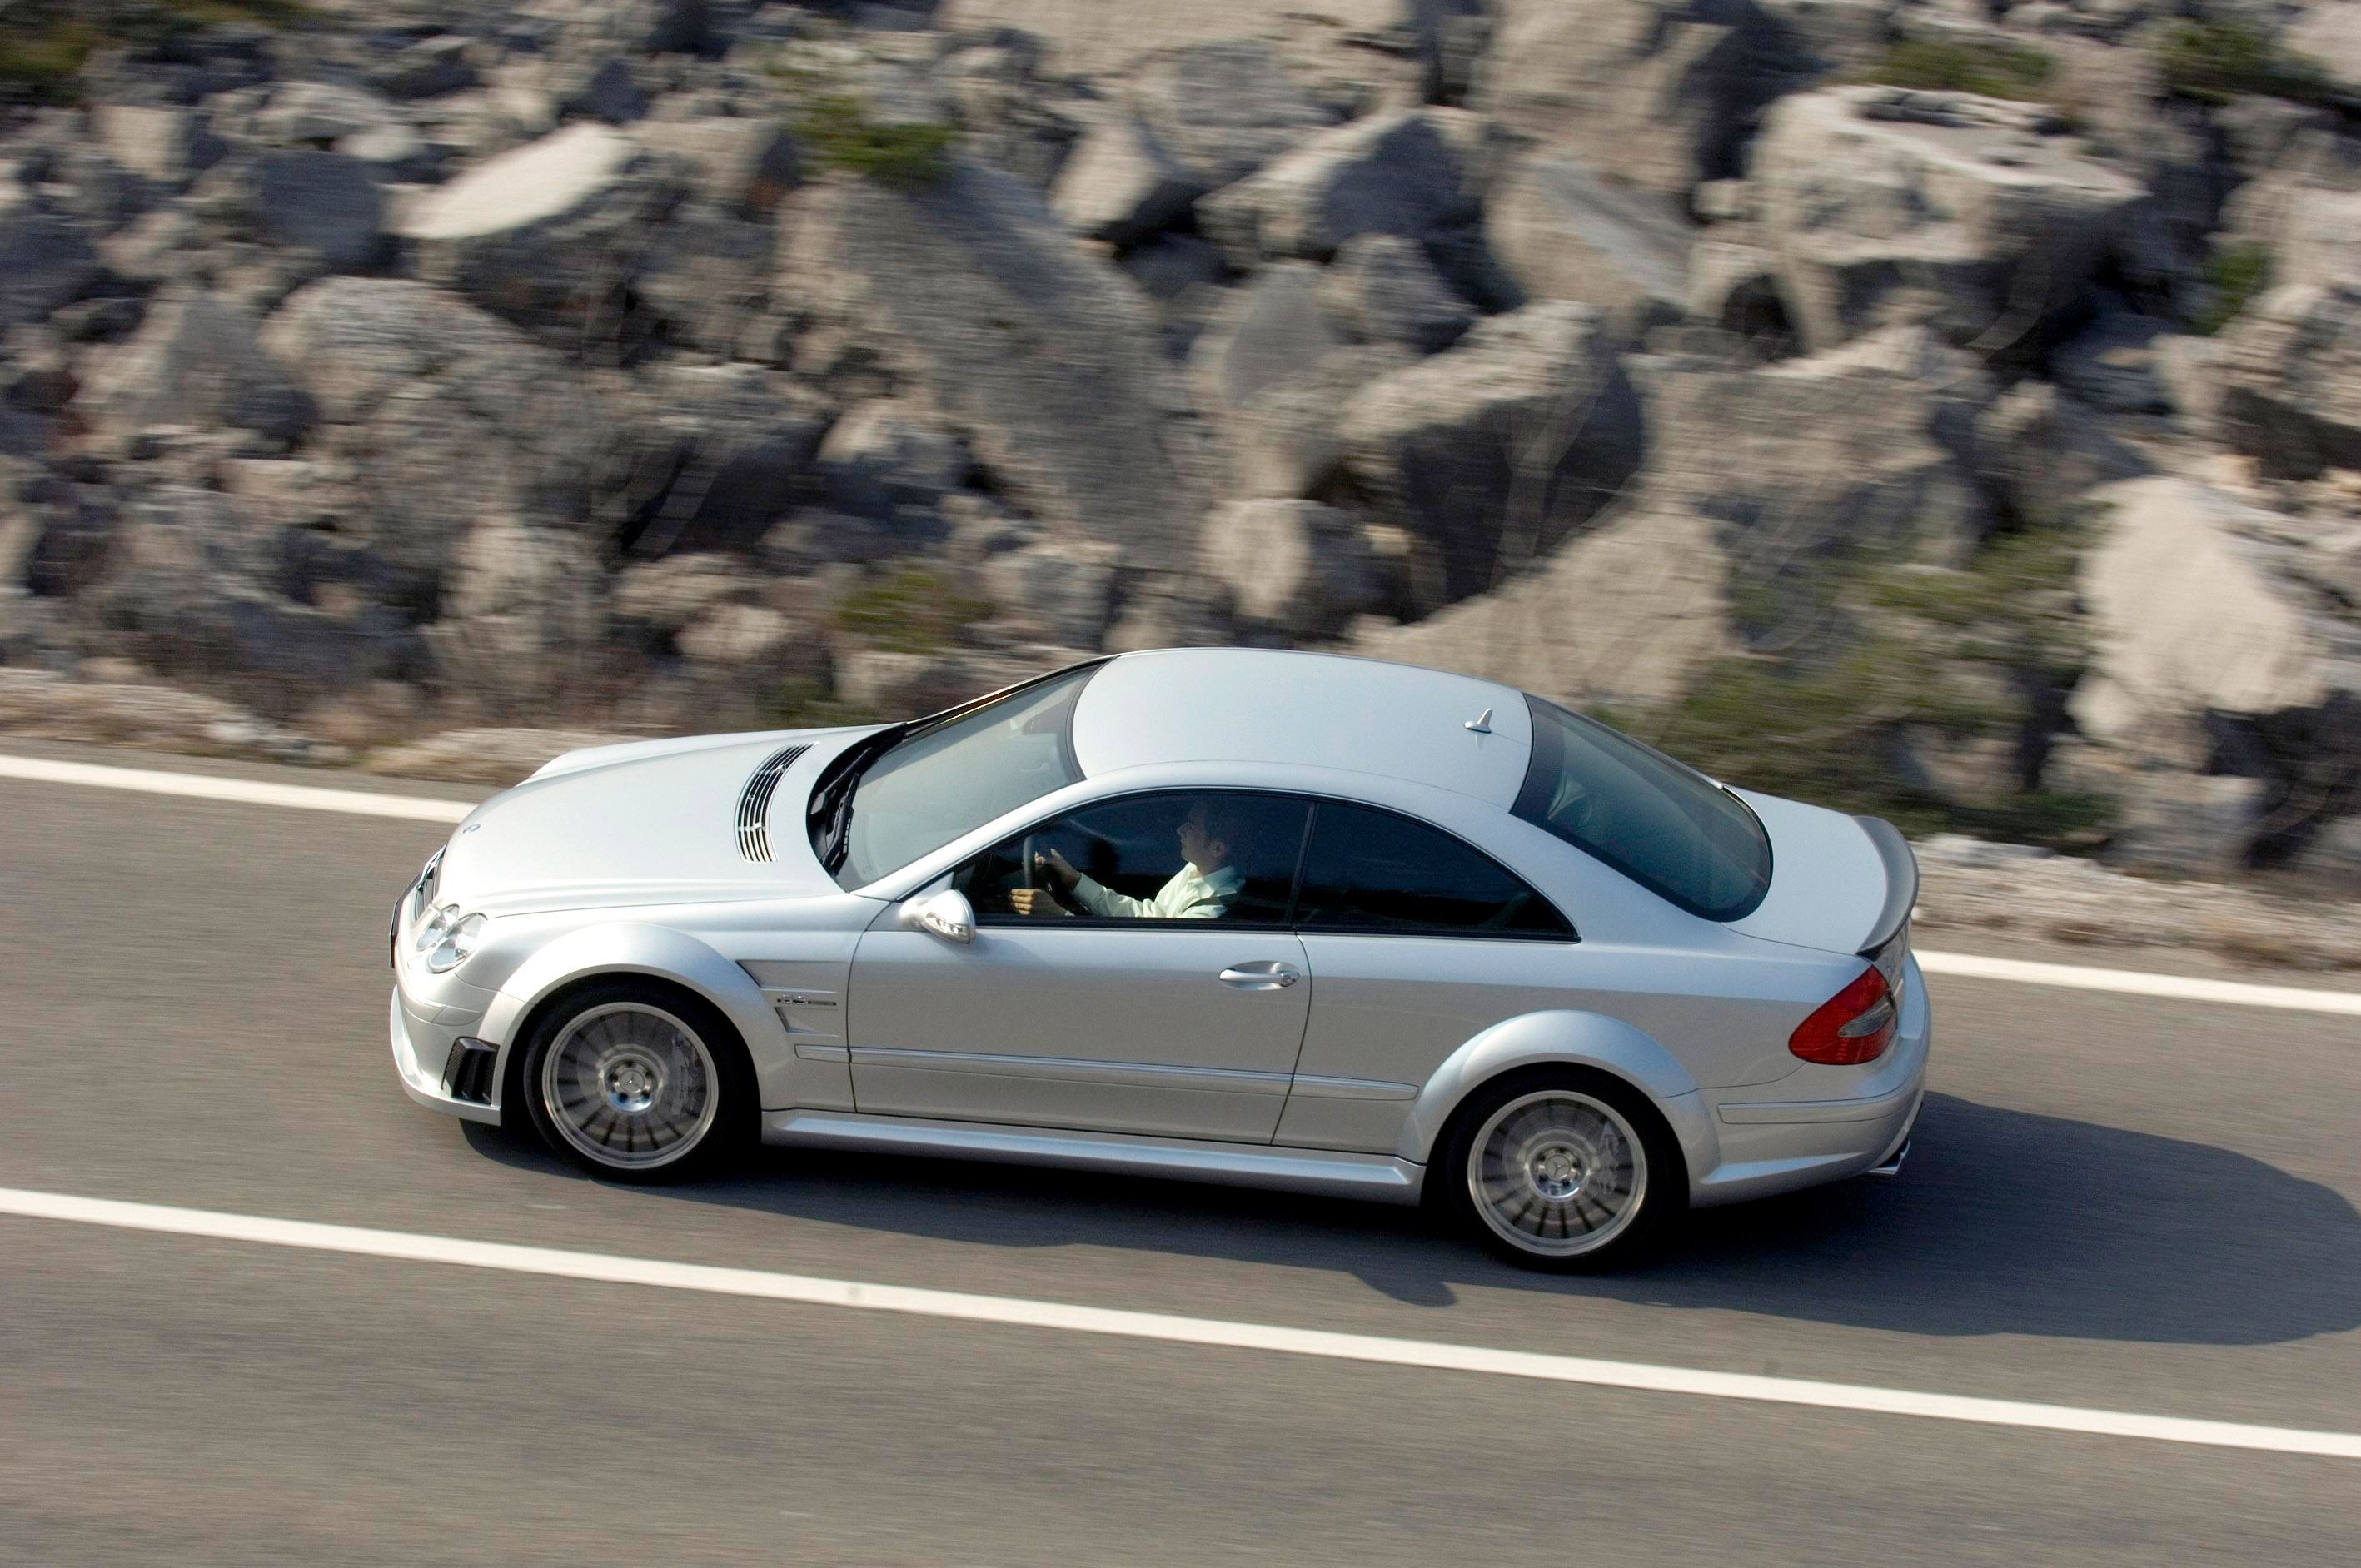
pixel 1481 724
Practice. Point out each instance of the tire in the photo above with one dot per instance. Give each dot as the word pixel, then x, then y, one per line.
pixel 638 1082
pixel 1560 1168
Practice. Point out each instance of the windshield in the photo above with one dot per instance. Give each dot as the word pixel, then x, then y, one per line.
pixel 946 779
pixel 1667 827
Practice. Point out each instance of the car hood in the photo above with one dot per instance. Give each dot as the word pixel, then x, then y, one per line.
pixel 656 822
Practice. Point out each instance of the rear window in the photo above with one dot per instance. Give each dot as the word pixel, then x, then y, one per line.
pixel 1666 827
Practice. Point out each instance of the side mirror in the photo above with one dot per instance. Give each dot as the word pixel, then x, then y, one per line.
pixel 947 915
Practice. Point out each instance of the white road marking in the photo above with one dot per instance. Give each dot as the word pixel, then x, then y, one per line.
pixel 252 792
pixel 1015 1311
pixel 2134 982
pixel 1966 966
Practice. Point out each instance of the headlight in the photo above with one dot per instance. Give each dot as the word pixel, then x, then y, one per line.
pixel 449 938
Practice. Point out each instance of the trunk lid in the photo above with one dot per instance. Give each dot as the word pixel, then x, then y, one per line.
pixel 1838 883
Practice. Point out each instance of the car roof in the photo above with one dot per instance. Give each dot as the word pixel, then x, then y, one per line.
pixel 1321 710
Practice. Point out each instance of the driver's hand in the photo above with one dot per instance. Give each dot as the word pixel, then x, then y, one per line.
pixel 1035 902
pixel 1057 865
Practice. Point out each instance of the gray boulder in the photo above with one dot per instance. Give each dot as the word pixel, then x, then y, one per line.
pixel 548 234
pixel 2211 655
pixel 1044 357
pixel 1493 451
pixel 1266 331
pixel 1565 233
pixel 321 203
pixel 154 143
pixel 1619 616
pixel 1293 567
pixel 1885 206
pixel 197 361
pixel 2291 380
pixel 2329 32
pixel 1658 90
pixel 1120 185
pixel 1735 287
pixel 2110 364
pixel 1057 592
pixel 1348 52
pixel 446 413
pixel 1382 288
pixel 2039 451
pixel 192 591
pixel 882 455
pixel 1395 173
pixel 45 261
pixel 743 165
pixel 1222 110
pixel 713 457
pixel 1863 452
pixel 708 278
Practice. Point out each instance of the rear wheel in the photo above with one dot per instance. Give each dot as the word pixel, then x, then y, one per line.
pixel 638 1082
pixel 1560 1168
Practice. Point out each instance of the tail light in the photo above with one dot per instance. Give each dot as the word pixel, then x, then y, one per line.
pixel 1855 1026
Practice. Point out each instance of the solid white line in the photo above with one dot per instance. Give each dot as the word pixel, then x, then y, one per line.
pixel 252 792
pixel 1966 966
pixel 1018 1312
pixel 2132 982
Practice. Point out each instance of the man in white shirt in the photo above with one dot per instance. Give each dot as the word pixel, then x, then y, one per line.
pixel 1201 890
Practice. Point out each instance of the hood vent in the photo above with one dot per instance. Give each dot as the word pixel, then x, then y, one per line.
pixel 754 805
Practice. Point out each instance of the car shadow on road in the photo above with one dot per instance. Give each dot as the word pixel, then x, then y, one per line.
pixel 2004 1222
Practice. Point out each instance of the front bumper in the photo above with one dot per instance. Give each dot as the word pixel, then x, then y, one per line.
pixel 421 1055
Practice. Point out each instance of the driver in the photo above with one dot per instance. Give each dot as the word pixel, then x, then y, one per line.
pixel 1201 890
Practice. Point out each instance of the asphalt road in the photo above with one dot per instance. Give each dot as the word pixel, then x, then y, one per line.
pixel 2114 1202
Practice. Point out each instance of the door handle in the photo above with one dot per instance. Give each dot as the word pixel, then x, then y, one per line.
pixel 1264 976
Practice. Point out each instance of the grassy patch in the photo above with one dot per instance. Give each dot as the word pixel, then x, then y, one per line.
pixel 2238 275
pixel 1991 70
pixel 2214 62
pixel 911 610
pixel 41 58
pixel 1938 653
pixel 838 130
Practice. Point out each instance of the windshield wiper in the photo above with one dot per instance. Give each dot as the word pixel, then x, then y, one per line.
pixel 832 807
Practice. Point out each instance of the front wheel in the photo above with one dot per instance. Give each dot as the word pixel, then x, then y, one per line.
pixel 1560 1170
pixel 638 1082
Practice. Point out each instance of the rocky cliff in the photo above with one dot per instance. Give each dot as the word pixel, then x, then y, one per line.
pixel 1944 408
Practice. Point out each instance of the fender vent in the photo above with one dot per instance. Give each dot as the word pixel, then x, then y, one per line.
pixel 754 805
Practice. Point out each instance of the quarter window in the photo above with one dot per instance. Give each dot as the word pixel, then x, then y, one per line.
pixel 1372 871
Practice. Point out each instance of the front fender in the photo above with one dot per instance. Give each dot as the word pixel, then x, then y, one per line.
pixel 630 947
pixel 1579 1039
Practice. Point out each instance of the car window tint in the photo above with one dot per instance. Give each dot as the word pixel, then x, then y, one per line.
pixel 1666 827
pixel 1131 851
pixel 1372 871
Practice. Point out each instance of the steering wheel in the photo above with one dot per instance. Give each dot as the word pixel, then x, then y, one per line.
pixel 1024 862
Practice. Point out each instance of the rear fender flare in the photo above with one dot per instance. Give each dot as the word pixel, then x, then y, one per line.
pixel 1571 1038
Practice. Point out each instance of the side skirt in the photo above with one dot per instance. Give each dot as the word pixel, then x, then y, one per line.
pixel 1329 1173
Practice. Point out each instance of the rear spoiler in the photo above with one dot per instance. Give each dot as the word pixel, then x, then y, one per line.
pixel 1901 882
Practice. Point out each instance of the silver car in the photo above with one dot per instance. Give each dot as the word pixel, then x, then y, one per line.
pixel 1281 919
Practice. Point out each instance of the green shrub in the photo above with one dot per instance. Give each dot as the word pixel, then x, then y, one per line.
pixel 1992 70
pixel 2238 275
pixel 911 610
pixel 837 129
pixel 2214 62
pixel 40 59
pixel 802 704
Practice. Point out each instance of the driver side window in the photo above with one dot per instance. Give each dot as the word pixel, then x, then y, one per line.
pixel 1215 855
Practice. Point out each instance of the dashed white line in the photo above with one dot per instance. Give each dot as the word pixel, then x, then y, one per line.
pixel 1965 966
pixel 1017 1312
